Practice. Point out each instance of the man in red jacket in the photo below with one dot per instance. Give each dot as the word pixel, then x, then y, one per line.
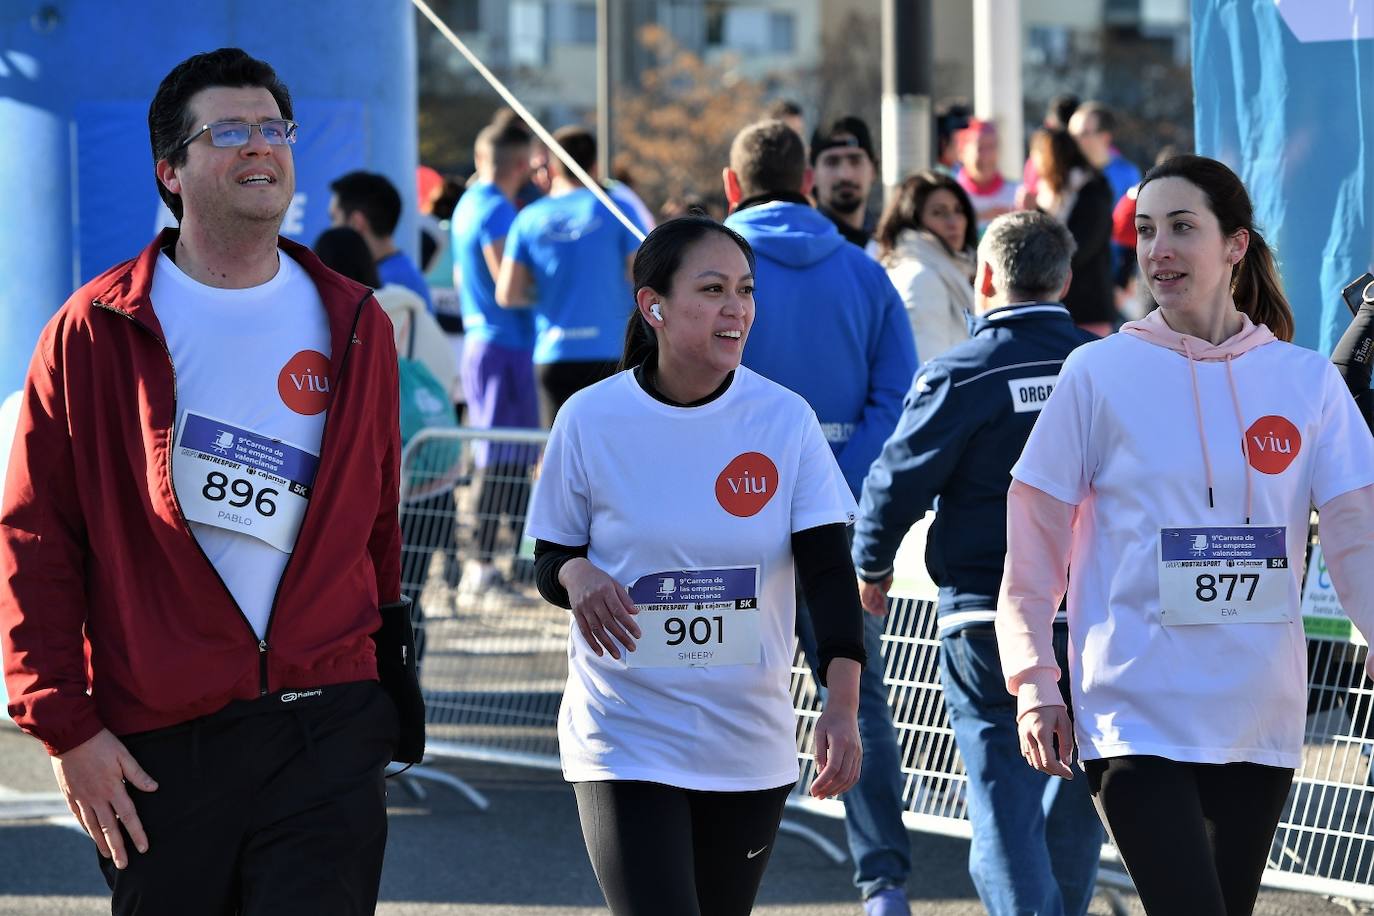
pixel 199 527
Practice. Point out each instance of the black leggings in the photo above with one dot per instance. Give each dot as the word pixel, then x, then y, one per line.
pixel 1194 836
pixel 663 851
pixel 560 381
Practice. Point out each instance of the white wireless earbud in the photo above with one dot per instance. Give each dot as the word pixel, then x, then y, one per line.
pixel 656 311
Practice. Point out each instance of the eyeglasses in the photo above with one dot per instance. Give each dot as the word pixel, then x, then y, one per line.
pixel 277 132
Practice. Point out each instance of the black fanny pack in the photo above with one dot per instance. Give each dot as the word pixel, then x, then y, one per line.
pixel 399 672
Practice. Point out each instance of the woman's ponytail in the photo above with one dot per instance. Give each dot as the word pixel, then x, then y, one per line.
pixel 1258 289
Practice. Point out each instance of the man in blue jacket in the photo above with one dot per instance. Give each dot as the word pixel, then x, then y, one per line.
pixel 1036 839
pixel 830 326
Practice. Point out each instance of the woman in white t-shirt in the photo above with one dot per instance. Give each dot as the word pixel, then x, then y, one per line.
pixel 1182 508
pixel 674 502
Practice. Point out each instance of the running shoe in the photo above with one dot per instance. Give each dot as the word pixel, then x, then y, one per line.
pixel 890 901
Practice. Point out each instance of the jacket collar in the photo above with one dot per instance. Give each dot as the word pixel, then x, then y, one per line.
pixel 768 197
pixel 1020 311
pixel 128 290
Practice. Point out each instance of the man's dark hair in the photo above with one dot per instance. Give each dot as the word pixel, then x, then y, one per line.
pixel 1060 109
pixel 1104 121
pixel 768 157
pixel 169 115
pixel 503 144
pixel 343 251
pixel 372 195
pixel 784 108
pixel 579 143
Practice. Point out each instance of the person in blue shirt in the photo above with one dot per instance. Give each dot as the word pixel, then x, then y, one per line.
pixel 498 344
pixel 570 259
pixel 1036 838
pixel 370 204
pixel 830 325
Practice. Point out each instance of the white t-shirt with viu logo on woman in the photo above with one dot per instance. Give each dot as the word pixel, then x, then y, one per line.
pixel 692 509
pixel 1119 438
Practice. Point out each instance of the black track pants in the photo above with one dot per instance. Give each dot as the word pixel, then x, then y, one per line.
pixel 560 381
pixel 663 851
pixel 267 808
pixel 1194 836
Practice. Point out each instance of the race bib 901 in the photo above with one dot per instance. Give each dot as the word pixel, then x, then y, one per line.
pixel 239 480
pixel 694 618
pixel 1224 575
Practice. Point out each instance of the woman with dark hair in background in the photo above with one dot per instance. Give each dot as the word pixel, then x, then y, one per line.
pixel 1078 195
pixel 927 240
pixel 675 500
pixel 1184 516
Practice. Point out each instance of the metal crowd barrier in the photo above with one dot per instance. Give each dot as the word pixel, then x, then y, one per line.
pixel 495 660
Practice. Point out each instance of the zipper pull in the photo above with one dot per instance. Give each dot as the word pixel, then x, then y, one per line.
pixel 403 656
pixel 262 667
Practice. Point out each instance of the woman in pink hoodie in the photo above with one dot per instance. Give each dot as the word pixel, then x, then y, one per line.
pixel 1174 468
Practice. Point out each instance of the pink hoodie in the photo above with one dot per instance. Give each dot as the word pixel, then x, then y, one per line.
pixel 1040 537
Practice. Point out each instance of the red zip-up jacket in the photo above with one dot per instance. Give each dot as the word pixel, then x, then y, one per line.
pixel 110 613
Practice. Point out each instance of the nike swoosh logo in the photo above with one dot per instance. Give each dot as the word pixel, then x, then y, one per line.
pixel 756 852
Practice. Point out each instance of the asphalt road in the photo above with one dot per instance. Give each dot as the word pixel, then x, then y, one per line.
pixel 523 856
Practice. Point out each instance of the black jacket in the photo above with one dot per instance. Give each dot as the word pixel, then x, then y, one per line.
pixel 1090 296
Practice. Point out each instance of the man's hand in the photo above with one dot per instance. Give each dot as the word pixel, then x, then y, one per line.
pixel 91 777
pixel 873 596
pixel 601 607
pixel 1039 729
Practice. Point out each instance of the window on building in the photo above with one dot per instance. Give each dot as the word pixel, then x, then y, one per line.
pixel 584 23
pixel 782 33
pixel 1047 46
pixel 465 15
pixel 715 23
pixel 527 33
pixel 747 29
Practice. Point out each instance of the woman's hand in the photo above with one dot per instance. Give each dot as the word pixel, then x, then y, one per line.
pixel 1038 729
pixel 601 606
pixel 839 754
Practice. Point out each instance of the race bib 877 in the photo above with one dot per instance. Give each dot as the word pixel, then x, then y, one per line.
pixel 239 480
pixel 1229 575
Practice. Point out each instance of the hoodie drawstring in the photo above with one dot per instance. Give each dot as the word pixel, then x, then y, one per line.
pixel 1201 429
pixel 1244 446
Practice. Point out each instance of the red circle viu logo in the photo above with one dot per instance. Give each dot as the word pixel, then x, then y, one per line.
pixel 303 382
pixel 1272 443
pixel 747 484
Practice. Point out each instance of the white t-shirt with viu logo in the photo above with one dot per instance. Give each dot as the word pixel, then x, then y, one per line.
pixel 1185 627
pixel 253 387
pixel 693 510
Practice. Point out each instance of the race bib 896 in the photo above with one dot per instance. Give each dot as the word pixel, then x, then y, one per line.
pixel 239 480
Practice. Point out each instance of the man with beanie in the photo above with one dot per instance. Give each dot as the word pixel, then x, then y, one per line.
pixel 844 167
